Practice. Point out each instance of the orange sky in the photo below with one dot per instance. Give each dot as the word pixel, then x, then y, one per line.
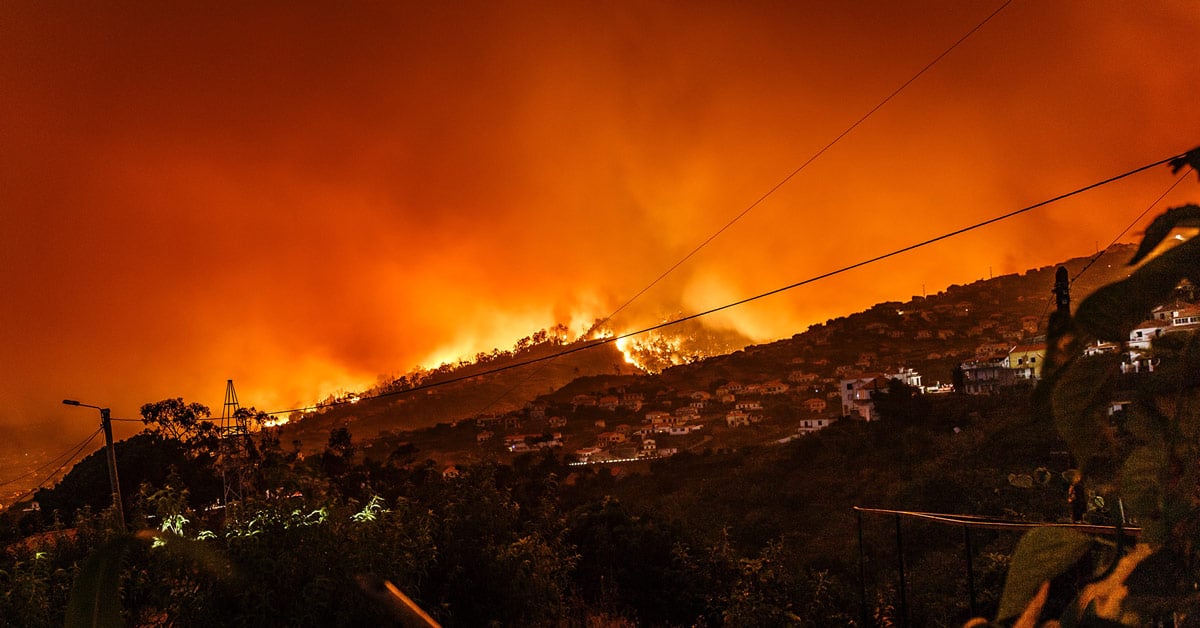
pixel 303 198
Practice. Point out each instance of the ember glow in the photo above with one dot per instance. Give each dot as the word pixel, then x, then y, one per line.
pixel 306 199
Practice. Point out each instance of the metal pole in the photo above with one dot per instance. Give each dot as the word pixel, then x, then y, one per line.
pixel 970 569
pixel 903 584
pixel 862 573
pixel 106 423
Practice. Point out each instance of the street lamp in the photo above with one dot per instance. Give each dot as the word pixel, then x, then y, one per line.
pixel 106 425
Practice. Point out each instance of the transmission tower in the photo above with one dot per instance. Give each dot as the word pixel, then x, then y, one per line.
pixel 234 460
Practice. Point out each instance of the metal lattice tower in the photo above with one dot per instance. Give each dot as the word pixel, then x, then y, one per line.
pixel 231 421
pixel 234 459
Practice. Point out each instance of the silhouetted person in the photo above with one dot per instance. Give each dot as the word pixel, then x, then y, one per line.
pixel 1077 498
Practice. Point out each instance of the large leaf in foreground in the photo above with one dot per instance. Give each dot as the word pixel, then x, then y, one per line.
pixel 1042 554
pixel 96 596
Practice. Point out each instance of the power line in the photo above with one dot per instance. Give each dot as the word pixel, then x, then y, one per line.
pixel 811 159
pixel 611 339
pixel 51 461
pixel 777 186
pixel 1135 221
pixel 60 467
pixel 1120 235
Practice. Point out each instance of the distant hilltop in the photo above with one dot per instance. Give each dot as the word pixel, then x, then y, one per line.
pixel 930 335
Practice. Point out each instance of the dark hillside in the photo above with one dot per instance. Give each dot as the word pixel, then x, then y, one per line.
pixel 496 394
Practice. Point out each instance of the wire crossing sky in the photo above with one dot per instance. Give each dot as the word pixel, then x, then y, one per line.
pixel 823 276
pixel 308 201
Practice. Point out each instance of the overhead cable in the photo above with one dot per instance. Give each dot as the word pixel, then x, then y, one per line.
pixel 612 339
pixel 60 467
pixel 811 159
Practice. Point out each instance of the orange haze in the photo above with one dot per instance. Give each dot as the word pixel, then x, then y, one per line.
pixel 304 196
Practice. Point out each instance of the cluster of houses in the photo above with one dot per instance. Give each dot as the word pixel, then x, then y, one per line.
pixel 668 416
pixel 1022 363
pixel 1009 355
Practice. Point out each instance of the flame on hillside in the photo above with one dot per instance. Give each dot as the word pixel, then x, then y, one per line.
pixel 684 343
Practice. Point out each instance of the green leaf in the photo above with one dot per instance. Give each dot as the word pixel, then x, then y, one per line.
pixel 1080 403
pixel 1141 485
pixel 1183 216
pixel 1146 423
pixel 95 599
pixel 1042 554
pixel 200 554
pixel 1178 367
pixel 1113 311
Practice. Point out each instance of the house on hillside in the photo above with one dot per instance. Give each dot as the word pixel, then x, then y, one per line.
pixel 1145 332
pixel 774 387
pixel 632 401
pixel 800 377
pixel 1026 359
pixel 986 376
pixel 737 418
pixel 655 417
pixel 610 438
pixel 907 375
pixel 1169 311
pixel 815 404
pixel 857 393
pixel 856 396
pixel 808 426
pixel 1101 347
pixel 1188 317
pixel 686 412
pixel 588 454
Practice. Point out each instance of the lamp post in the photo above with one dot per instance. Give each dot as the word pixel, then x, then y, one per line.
pixel 106 425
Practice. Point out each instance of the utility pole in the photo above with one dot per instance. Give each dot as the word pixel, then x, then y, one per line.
pixel 106 425
pixel 1062 291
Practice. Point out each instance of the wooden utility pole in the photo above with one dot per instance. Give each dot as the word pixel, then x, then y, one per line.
pixel 106 424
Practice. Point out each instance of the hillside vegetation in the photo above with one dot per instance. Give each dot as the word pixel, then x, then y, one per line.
pixel 737 528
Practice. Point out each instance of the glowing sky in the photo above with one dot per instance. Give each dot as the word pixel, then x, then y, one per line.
pixel 304 196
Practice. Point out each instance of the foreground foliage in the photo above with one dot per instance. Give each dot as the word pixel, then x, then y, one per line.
pixel 1145 456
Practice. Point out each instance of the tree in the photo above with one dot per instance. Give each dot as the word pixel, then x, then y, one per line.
pixel 900 402
pixel 185 422
pixel 1150 466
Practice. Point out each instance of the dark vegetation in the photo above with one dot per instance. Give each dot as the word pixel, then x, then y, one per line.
pixel 761 536
pixel 753 535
